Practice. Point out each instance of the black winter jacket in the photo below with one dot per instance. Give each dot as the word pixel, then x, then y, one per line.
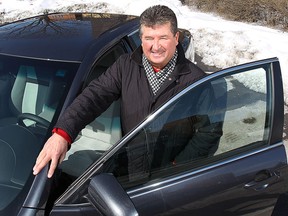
pixel 126 79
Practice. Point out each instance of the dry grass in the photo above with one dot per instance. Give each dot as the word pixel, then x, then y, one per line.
pixel 272 13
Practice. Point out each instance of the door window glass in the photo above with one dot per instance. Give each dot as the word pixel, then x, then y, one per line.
pixel 217 119
pixel 247 115
pixel 135 39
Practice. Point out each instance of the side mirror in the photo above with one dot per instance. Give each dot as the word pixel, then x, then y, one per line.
pixel 107 195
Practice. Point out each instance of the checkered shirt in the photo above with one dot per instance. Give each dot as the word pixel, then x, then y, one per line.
pixel 156 79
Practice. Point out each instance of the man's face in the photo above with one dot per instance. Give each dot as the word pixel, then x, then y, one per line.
pixel 159 44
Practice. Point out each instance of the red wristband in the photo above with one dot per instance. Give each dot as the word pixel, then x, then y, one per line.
pixel 63 134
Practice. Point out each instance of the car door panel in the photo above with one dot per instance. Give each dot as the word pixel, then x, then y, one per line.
pixel 220 189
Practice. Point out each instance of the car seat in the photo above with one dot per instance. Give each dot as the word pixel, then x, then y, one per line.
pixel 32 92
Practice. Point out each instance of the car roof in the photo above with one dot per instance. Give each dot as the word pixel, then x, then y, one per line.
pixel 61 36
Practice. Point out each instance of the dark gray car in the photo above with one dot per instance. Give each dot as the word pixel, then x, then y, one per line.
pixel 225 159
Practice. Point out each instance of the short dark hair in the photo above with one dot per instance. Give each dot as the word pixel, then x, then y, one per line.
pixel 158 15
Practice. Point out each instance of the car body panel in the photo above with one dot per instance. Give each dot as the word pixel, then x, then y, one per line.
pixel 220 189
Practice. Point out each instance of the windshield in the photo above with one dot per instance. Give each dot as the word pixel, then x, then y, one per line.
pixel 31 96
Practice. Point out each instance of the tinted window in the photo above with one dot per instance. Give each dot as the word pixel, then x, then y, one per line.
pixel 135 39
pixel 248 111
pixel 31 93
pixel 223 117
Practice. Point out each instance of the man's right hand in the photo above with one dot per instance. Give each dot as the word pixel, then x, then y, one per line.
pixel 54 150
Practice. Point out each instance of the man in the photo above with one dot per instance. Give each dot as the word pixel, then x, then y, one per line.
pixel 143 80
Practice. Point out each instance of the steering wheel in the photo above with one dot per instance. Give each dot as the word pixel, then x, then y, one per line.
pixel 39 120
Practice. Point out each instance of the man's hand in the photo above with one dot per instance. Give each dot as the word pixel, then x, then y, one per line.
pixel 54 150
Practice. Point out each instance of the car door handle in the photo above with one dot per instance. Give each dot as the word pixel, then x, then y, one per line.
pixel 262 180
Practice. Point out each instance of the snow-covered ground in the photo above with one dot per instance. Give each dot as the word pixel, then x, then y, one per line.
pixel 221 43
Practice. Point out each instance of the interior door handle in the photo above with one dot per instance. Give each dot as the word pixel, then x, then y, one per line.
pixel 262 180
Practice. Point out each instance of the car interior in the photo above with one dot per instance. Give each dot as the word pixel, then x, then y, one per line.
pixel 29 98
pixel 34 91
pixel 101 134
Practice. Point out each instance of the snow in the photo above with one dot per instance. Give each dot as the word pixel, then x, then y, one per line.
pixel 221 43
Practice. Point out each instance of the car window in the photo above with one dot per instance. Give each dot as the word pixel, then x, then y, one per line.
pixel 32 93
pixel 134 38
pixel 102 133
pixel 105 61
pixel 247 119
pixel 220 118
